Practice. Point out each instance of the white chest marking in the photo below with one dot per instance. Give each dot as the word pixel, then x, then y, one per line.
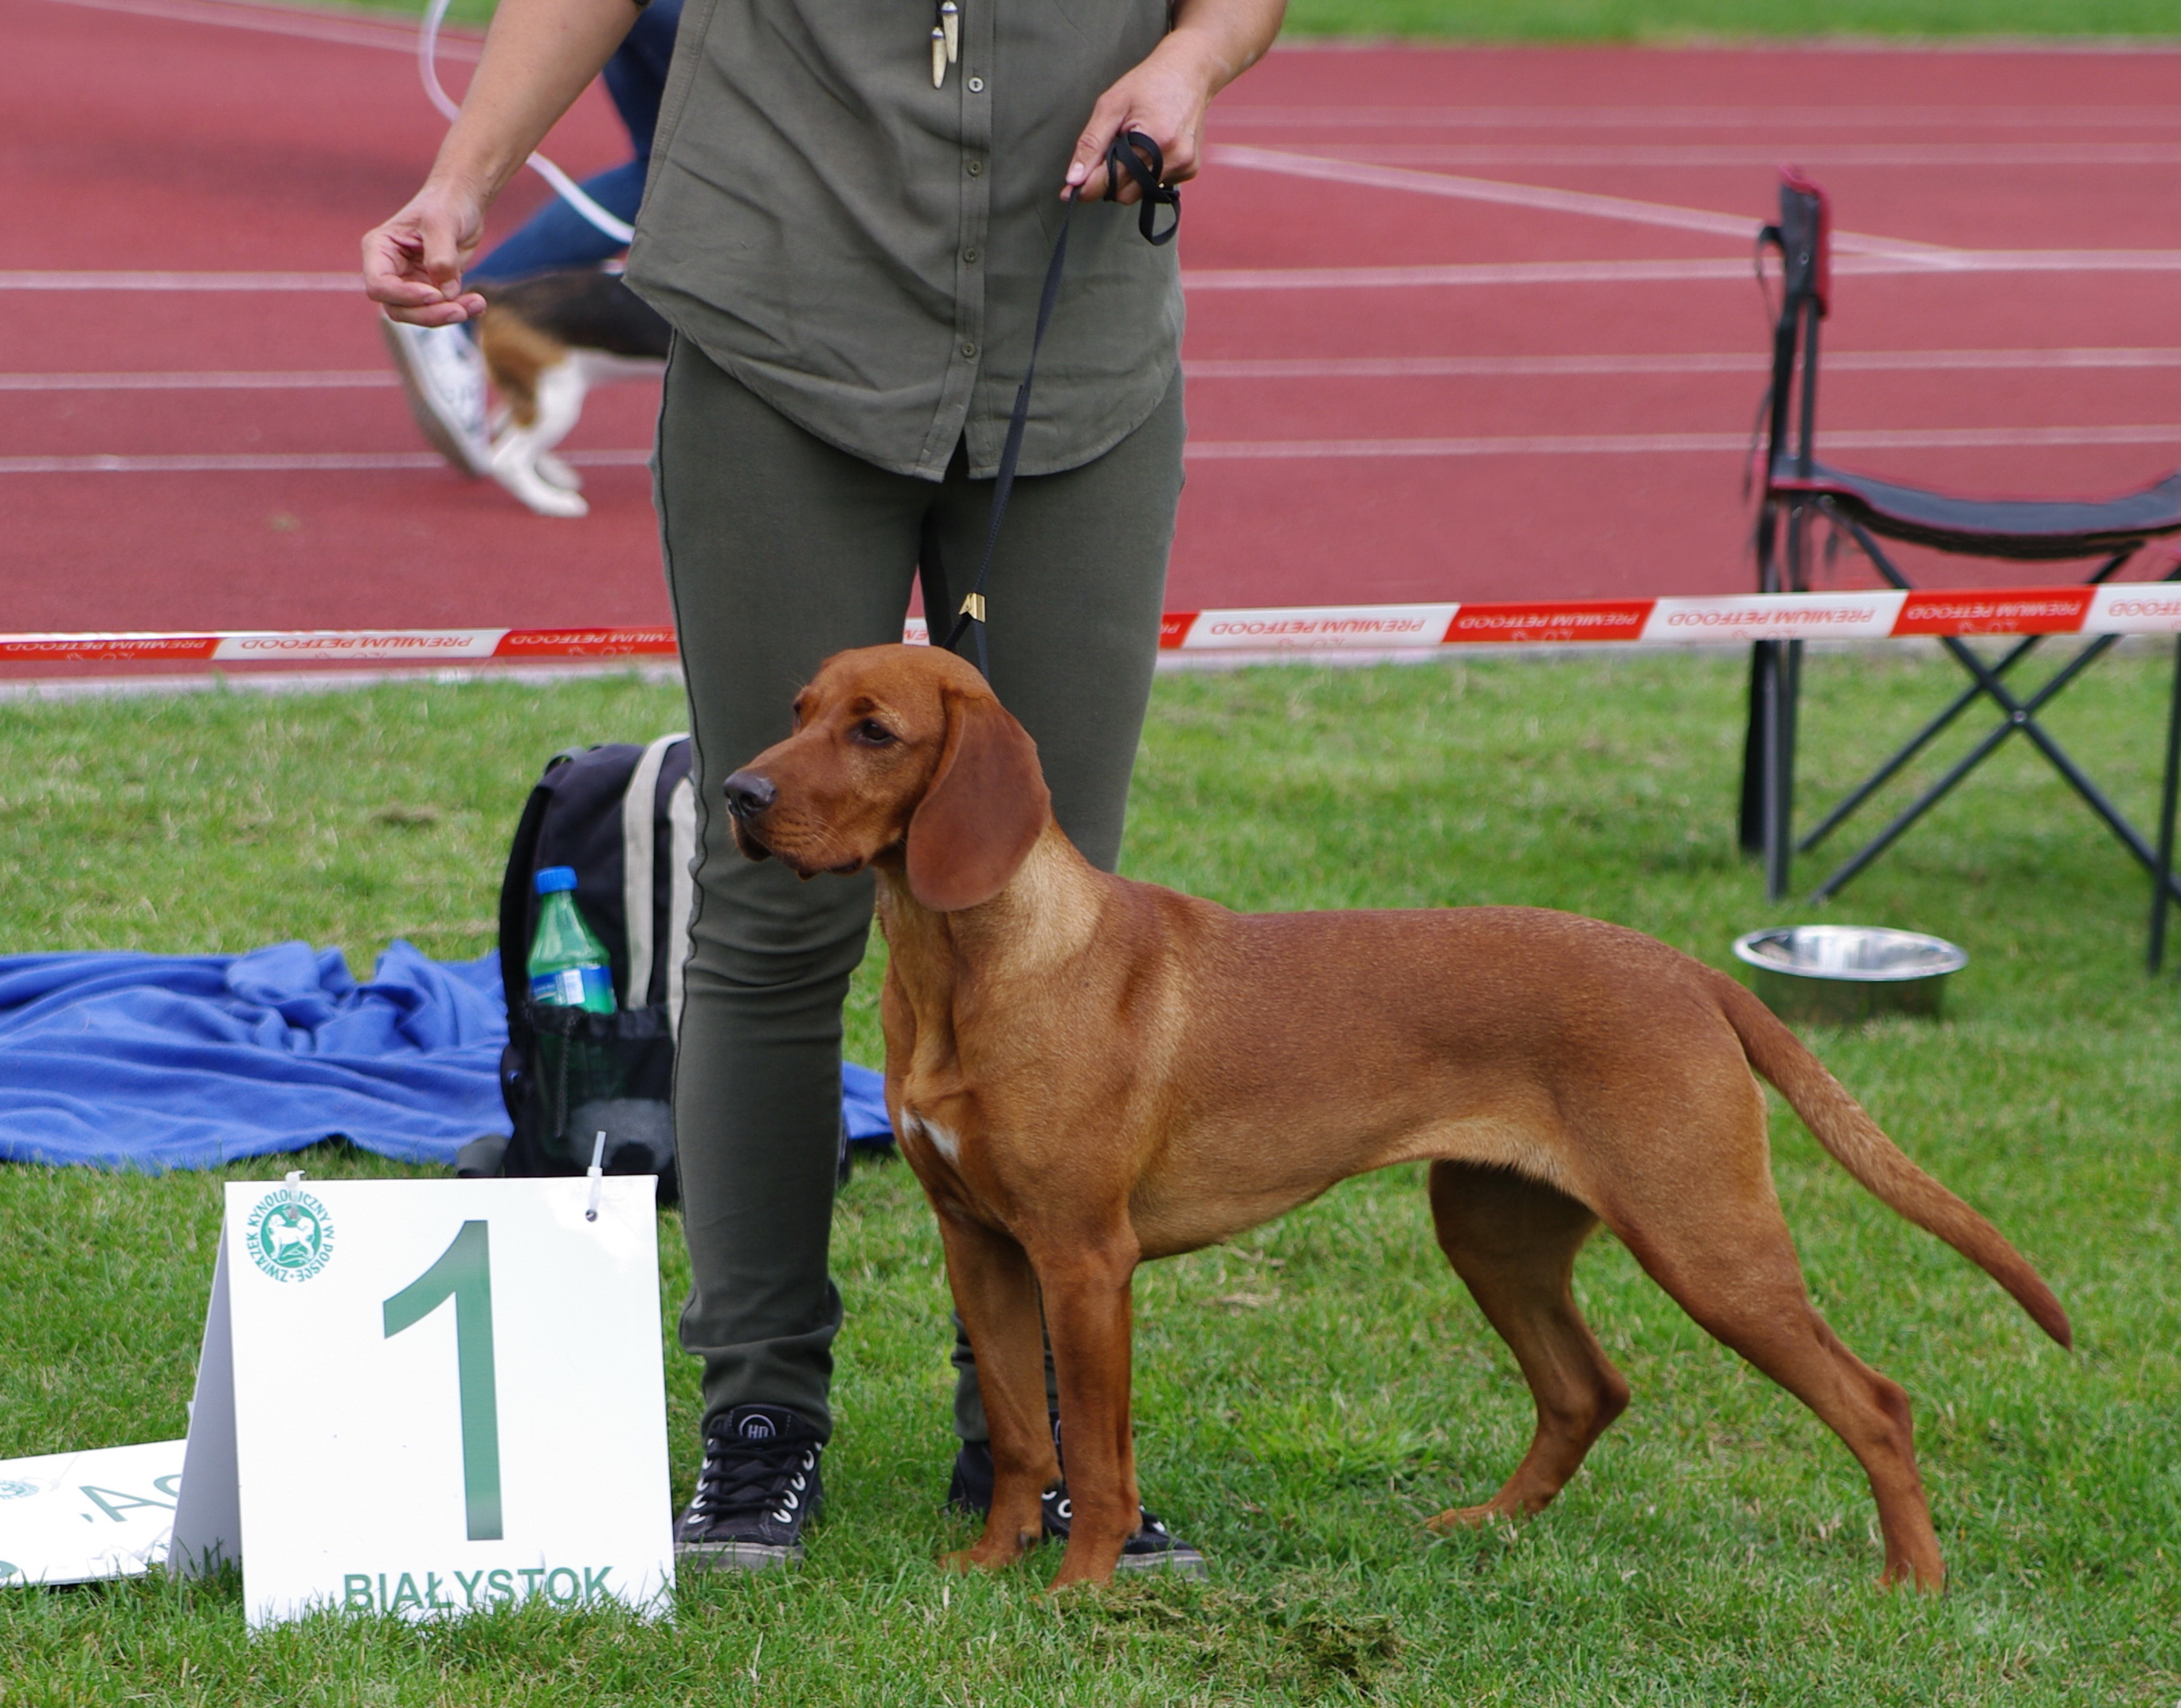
pixel 938 1137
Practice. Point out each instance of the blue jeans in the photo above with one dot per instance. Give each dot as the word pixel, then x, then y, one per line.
pixel 558 236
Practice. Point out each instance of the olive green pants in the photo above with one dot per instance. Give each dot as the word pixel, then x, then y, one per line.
pixel 780 550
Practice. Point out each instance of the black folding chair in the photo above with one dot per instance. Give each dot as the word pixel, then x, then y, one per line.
pixel 1799 491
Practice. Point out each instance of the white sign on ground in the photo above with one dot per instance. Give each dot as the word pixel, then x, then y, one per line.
pixel 71 1517
pixel 420 1397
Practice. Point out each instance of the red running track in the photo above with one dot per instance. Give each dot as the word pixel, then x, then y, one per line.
pixel 1463 323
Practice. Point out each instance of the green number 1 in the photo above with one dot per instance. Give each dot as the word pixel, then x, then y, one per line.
pixel 463 1273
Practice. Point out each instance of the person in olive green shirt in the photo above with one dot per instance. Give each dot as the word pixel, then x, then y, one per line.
pixel 848 228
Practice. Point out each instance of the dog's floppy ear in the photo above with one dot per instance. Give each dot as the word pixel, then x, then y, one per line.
pixel 985 808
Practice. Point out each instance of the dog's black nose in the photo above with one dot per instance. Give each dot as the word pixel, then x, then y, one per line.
pixel 748 794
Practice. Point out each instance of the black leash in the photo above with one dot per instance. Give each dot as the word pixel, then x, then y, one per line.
pixel 1125 155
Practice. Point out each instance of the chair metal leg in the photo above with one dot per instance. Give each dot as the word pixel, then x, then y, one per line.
pixel 2022 716
pixel 1784 679
pixel 1908 816
pixel 2161 883
pixel 1778 668
pixel 2021 720
pixel 1923 739
pixel 1756 747
pixel 1751 819
pixel 1779 876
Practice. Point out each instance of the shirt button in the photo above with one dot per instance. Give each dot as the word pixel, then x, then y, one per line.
pixel 969 256
pixel 976 86
pixel 975 167
pixel 969 349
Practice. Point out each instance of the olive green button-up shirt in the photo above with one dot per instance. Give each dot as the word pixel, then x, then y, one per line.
pixel 865 251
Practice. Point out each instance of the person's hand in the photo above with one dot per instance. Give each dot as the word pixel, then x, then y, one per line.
pixel 1211 43
pixel 413 263
pixel 1165 97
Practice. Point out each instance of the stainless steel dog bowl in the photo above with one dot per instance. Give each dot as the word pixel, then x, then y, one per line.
pixel 1840 973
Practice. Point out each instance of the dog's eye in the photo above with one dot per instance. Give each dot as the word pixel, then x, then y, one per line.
pixel 872 733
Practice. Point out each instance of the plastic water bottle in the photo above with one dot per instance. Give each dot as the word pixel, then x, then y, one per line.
pixel 569 966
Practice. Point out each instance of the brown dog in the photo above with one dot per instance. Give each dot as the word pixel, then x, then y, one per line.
pixel 1085 1072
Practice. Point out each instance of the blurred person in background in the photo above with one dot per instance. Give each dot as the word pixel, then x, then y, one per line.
pixel 441 371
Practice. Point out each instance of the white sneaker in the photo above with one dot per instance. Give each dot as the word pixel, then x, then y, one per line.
pixel 442 374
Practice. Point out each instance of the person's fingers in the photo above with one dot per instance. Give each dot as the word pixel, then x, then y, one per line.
pixel 393 270
pixel 443 251
pixel 453 313
pixel 393 277
pixel 412 264
pixel 1088 166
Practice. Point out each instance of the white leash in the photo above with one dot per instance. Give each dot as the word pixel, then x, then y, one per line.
pixel 428 53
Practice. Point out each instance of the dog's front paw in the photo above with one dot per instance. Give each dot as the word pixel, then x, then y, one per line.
pixel 556 473
pixel 991 1552
pixel 515 467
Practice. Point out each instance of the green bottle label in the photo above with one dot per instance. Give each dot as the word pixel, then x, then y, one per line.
pixel 574 987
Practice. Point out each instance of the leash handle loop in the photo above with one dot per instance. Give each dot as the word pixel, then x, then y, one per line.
pixel 1125 155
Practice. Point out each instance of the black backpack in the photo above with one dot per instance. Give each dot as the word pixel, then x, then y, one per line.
pixel 625 817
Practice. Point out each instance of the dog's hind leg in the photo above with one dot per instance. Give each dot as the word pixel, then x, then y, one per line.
pixel 995 1291
pixel 1729 1262
pixel 1514 1242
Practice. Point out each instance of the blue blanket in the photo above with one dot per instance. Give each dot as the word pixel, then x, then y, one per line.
pixel 189 1061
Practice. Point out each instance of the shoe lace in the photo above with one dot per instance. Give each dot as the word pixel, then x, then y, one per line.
pixel 743 1476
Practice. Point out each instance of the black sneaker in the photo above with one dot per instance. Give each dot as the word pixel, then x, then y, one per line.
pixel 758 1486
pixel 970 1492
pixel 1153 1548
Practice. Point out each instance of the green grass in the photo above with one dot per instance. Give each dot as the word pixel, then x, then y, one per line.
pixel 1306 1397
pixel 1671 20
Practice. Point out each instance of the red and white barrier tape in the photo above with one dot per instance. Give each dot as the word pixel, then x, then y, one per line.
pixel 2130 608
pixel 2136 608
pixel 422 647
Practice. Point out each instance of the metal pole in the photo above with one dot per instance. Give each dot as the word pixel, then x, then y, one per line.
pixel 1756 748
pixel 1778 850
pixel 2162 880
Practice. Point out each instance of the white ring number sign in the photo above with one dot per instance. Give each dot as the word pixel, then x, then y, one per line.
pixel 428 1397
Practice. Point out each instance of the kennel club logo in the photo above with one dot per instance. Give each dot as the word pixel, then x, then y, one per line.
pixel 290 1236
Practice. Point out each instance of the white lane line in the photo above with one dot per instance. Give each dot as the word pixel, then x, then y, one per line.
pixel 1740 228
pixel 1655 444
pixel 304 380
pixel 1242 278
pixel 1473 273
pixel 1930 263
pixel 1766 155
pixel 235 284
pixel 248 462
pixel 346 30
pixel 1771 121
pixel 1268 367
pixel 1215 450
pixel 1527 366
pixel 281 462
pixel 1934 265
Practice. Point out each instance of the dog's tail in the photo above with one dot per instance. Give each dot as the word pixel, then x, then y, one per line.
pixel 1856 1143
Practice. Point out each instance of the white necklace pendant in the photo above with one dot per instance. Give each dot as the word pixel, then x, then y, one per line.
pixel 939 57
pixel 950 20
